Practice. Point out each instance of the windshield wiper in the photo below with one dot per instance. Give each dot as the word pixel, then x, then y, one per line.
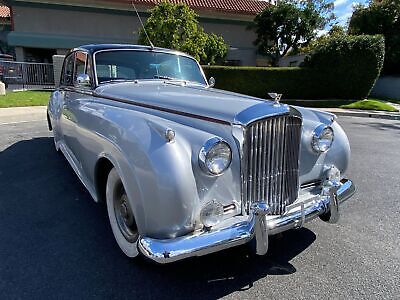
pixel 116 80
pixel 167 78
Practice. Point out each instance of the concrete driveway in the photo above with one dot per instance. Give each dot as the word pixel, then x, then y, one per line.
pixel 22 114
pixel 55 242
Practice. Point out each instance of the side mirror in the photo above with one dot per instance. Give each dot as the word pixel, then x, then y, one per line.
pixel 83 81
pixel 211 82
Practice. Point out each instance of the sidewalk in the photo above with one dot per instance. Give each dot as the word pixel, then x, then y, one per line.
pixel 22 114
pixel 363 113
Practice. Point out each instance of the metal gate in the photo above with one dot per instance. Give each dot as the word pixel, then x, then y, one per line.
pixel 26 75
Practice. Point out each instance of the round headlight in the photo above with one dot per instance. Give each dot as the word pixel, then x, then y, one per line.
pixel 322 138
pixel 215 156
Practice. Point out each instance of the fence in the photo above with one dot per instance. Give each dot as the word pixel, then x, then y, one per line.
pixel 27 75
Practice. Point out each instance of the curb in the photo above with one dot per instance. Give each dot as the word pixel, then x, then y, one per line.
pixel 366 114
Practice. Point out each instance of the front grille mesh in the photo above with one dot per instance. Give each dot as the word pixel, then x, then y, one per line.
pixel 271 162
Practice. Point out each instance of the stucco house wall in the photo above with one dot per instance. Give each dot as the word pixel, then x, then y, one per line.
pixel 61 27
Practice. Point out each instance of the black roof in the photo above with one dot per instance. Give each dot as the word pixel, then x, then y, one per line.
pixel 97 47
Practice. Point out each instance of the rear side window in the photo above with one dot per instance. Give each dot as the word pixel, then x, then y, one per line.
pixel 68 72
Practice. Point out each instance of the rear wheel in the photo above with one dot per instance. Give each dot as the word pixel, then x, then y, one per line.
pixel 121 216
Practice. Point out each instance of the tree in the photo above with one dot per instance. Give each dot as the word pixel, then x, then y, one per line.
pixel 175 26
pixel 381 17
pixel 215 49
pixel 336 31
pixel 290 25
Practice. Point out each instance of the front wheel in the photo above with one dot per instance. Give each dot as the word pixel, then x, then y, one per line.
pixel 121 217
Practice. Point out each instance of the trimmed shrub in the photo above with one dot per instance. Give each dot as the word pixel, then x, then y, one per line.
pixel 258 82
pixel 350 64
pixel 343 68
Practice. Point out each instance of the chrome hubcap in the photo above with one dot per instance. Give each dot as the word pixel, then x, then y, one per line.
pixel 124 216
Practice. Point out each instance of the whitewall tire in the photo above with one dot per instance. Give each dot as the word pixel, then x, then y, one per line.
pixel 120 214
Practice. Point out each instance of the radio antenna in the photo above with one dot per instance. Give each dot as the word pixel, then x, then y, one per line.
pixel 141 23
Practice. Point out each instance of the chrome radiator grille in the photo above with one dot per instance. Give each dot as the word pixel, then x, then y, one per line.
pixel 270 162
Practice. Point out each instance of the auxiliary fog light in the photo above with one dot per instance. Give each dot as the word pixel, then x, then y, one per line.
pixel 333 174
pixel 211 214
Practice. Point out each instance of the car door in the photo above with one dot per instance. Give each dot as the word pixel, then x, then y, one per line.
pixel 66 84
pixel 79 113
pixel 74 97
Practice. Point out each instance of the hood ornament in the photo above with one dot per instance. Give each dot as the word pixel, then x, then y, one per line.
pixel 277 97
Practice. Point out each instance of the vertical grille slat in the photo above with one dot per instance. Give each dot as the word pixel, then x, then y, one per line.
pixel 271 169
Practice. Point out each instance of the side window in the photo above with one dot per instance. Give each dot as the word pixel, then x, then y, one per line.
pixel 80 64
pixel 67 78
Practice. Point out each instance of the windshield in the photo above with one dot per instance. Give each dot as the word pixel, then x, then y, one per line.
pixel 136 65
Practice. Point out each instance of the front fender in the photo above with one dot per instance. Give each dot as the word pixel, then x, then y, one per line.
pixel 312 164
pixel 157 174
pixel 172 186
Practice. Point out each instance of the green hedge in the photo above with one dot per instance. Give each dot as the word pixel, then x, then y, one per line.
pixel 343 68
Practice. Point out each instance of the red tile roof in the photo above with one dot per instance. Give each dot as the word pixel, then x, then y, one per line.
pixel 246 7
pixel 4 12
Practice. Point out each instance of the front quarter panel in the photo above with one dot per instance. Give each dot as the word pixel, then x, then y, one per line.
pixel 163 180
pixel 312 164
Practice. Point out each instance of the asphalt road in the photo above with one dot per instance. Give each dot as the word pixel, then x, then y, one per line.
pixel 55 242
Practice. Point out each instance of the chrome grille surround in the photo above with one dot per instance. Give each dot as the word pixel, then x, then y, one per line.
pixel 270 162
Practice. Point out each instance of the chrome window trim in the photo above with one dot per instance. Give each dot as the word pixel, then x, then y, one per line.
pixel 75 75
pixel 96 82
pixel 72 53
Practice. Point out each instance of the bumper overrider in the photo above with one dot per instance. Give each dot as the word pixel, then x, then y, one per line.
pixel 323 202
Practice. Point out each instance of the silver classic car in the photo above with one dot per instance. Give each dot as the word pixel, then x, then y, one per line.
pixel 186 169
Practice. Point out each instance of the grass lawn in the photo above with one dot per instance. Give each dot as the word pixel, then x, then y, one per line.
pixel 370 104
pixel 25 98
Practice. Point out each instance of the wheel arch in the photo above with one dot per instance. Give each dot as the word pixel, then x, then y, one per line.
pixel 101 171
pixel 49 122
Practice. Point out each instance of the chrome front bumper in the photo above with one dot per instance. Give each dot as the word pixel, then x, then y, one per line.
pixel 241 229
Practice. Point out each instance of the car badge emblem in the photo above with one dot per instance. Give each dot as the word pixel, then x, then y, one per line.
pixel 277 97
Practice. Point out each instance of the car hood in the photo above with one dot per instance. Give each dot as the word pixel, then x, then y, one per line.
pixel 192 100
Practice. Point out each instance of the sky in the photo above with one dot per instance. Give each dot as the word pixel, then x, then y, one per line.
pixel 344 9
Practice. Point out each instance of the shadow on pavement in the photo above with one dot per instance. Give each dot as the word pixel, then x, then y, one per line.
pixel 56 242
pixel 383 125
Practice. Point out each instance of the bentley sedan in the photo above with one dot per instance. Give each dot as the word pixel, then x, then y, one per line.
pixel 186 169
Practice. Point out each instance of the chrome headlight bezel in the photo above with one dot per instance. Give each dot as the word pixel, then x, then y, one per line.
pixel 321 133
pixel 206 151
